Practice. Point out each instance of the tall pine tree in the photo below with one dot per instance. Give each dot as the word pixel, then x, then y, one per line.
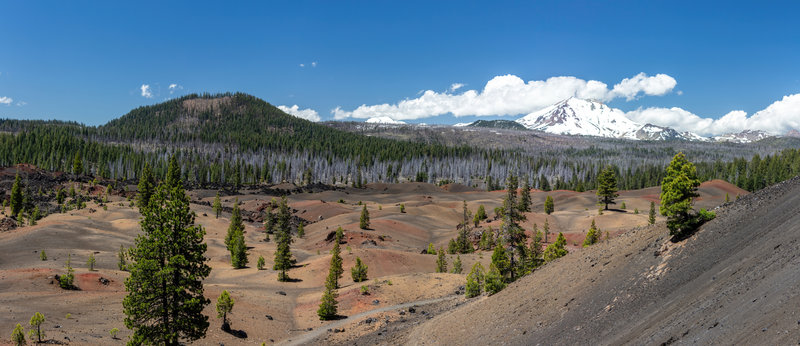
pixel 16 196
pixel 165 299
pixel 607 186
pixel 146 187
pixel 678 189
pixel 283 254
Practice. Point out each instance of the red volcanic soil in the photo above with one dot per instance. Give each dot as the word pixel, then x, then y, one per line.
pixel 390 247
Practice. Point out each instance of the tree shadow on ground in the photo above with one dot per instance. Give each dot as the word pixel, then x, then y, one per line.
pixel 241 334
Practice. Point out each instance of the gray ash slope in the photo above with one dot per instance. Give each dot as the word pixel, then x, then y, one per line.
pixel 737 280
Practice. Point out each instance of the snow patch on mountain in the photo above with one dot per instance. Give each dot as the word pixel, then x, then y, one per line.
pixel 746 136
pixel 383 120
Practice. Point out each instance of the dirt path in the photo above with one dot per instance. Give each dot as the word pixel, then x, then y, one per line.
pixel 310 336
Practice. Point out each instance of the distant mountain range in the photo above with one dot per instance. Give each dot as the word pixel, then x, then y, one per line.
pixel 575 116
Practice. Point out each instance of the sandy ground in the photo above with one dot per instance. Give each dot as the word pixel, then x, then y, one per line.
pixel 268 310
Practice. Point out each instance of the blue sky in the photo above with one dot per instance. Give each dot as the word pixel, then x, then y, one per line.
pixel 88 61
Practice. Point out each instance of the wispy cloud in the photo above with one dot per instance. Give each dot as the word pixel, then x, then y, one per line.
pixel 456 86
pixel 146 91
pixel 313 64
pixel 510 95
pixel 174 87
pixel 6 100
pixel 308 113
pixel 21 103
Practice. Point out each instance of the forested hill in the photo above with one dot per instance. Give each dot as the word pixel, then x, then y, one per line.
pixel 216 136
pixel 251 124
pixel 239 139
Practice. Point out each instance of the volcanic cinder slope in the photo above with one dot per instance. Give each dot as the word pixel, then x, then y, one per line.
pixel 735 281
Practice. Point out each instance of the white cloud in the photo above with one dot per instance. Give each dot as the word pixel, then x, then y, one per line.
pixel 777 119
pixel 456 86
pixel 146 92
pixel 509 95
pixel 174 87
pixel 657 85
pixel 6 100
pixel 308 113
pixel 313 64
pixel 302 65
pixel 21 103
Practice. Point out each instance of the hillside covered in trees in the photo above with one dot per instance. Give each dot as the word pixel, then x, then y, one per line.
pixel 238 139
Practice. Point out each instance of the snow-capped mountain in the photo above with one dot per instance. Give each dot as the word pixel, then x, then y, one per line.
pixel 575 116
pixel 383 120
pixel 650 132
pixel 746 136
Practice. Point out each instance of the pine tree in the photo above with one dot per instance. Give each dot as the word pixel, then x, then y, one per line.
pixel 525 197
pixel 122 259
pixel 549 206
pixel 607 186
pixel 556 249
pixel 651 219
pixel 217 206
pixel 431 249
pixel 592 236
pixel 301 232
pixel 463 243
pixel 165 299
pixel 328 306
pixel 501 262
pixel 77 164
pixel 16 196
pixel 474 284
pixel 269 222
pixel 236 226
pixel 67 280
pixel 260 264
pixel 224 307
pixel 457 265
pixel 495 281
pixel 337 264
pixel 480 215
pixel 364 222
pixel 34 216
pixel 677 191
pixel 452 247
pixel 91 262
pixel 511 216
pixel 546 230
pixel 36 321
pixel 18 335
pixel 146 187
pixel 339 235
pixel 238 251
pixel 283 254
pixel 173 178
pixel 441 262
pixel 359 271
pixel 536 249
pixel 43 255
